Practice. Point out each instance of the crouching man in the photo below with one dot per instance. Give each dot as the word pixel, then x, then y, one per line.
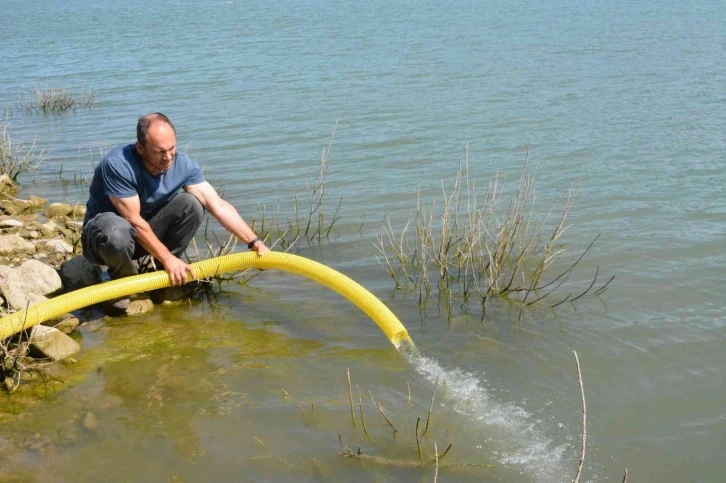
pixel 147 199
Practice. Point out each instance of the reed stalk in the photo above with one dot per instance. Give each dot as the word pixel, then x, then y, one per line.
pixel 59 100
pixel 18 157
pixel 478 246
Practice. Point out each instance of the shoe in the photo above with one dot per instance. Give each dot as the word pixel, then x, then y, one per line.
pixel 116 306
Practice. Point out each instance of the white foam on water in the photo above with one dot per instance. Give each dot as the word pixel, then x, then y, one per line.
pixel 523 444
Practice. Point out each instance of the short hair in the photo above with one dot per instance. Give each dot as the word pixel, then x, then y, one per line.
pixel 145 122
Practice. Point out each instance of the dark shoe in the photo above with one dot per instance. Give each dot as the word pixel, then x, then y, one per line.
pixel 174 293
pixel 116 306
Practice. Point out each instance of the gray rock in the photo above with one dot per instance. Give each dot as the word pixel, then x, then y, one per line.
pixel 11 244
pixel 27 284
pixel 78 273
pixel 51 343
pixel 44 280
pixel 55 245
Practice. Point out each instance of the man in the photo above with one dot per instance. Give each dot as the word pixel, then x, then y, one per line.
pixel 146 198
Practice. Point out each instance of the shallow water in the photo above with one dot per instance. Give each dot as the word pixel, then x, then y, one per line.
pixel 621 101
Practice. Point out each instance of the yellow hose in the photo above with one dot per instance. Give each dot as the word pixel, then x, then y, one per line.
pixel 332 279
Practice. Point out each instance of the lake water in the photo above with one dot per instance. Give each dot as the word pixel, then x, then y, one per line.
pixel 622 100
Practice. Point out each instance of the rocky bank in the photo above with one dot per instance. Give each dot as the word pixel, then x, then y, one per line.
pixel 40 257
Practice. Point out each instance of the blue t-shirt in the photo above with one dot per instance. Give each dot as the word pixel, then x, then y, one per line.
pixel 122 174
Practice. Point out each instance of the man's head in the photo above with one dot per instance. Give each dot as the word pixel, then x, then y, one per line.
pixel 156 142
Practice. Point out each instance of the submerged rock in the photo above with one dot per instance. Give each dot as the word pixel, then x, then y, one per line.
pixel 139 306
pixel 90 422
pixel 51 343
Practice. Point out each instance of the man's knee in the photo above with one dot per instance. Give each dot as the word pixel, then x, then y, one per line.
pixel 109 231
pixel 120 238
pixel 191 205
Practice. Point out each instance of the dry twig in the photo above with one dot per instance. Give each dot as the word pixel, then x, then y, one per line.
pixel 584 420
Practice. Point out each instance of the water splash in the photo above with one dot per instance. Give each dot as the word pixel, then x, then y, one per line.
pixel 523 444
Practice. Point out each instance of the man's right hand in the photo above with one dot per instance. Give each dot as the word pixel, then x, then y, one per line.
pixel 178 270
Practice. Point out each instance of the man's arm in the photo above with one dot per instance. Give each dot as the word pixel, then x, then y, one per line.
pixel 130 210
pixel 225 213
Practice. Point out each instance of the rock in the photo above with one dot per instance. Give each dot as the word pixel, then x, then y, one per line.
pixel 51 343
pixel 28 283
pixel 55 245
pixel 78 273
pixel 66 325
pixel 10 244
pixel 36 202
pixel 138 307
pixel 58 209
pixel 74 225
pixel 79 211
pixel 9 223
pixel 90 422
pixel 44 279
pixel 14 207
pixel 49 229
pixel 7 186
pixel 174 293
pixel 9 384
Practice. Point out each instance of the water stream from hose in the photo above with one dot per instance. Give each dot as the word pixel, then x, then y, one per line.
pixel 520 437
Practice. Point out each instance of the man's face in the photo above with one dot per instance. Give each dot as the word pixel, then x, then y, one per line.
pixel 159 149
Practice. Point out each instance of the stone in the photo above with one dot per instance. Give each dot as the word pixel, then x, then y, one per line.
pixel 79 211
pixel 174 293
pixel 90 422
pixel 44 280
pixel 11 244
pixel 66 325
pixel 138 307
pixel 51 343
pixel 36 202
pixel 27 284
pixel 48 229
pixel 55 245
pixel 14 207
pixel 58 209
pixel 9 384
pixel 74 225
pixel 9 223
pixel 78 273
pixel 7 186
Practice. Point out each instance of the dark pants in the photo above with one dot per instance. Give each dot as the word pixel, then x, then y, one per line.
pixel 110 240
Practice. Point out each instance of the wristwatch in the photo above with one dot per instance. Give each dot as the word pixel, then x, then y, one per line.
pixel 251 244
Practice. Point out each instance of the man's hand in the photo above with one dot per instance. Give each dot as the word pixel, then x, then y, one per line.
pixel 177 271
pixel 260 248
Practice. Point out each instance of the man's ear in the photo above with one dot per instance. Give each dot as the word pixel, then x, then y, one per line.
pixel 139 148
